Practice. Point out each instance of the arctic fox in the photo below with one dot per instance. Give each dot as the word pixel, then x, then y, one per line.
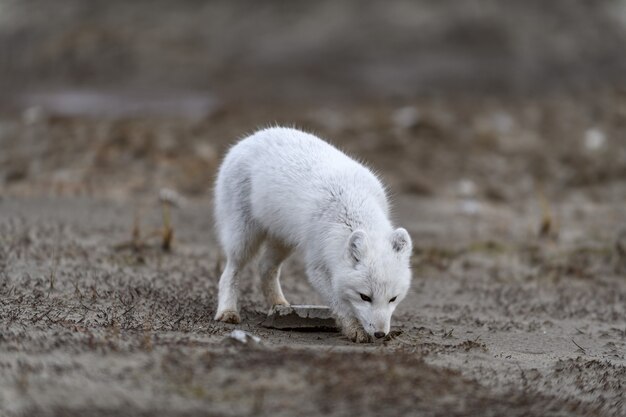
pixel 293 191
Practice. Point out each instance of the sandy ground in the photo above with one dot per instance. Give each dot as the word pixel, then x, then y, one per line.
pixel 517 307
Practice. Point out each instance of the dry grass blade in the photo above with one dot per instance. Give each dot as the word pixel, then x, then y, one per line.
pixel 584 352
pixel 547 228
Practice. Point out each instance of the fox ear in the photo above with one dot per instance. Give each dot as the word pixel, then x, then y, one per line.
pixel 357 246
pixel 401 241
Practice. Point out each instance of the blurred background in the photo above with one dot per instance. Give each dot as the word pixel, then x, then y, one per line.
pixel 159 88
pixel 305 51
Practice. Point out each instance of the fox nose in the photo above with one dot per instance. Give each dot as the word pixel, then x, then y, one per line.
pixel 378 335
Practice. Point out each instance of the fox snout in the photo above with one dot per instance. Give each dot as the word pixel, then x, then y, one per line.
pixel 380 328
pixel 378 331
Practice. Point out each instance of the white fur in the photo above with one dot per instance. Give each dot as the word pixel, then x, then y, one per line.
pixel 292 190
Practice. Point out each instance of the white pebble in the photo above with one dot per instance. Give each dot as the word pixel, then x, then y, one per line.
pixel 243 337
pixel 595 139
pixel 406 117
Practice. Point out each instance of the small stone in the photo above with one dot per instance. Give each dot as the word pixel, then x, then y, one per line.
pixel 33 115
pixel 300 317
pixel 595 139
pixel 467 188
pixel 243 337
pixel 406 117
pixel 502 122
pixel 470 206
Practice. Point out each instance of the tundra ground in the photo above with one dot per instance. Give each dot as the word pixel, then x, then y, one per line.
pixel 518 303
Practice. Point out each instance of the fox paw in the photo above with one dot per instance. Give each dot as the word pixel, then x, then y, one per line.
pixel 357 335
pixel 228 316
pixel 275 306
pixel 280 302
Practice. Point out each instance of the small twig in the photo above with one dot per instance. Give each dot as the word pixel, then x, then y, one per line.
pixel 128 310
pixel 522 373
pixel 136 233
pixel 87 308
pixel 53 271
pixel 119 297
pixel 168 231
pixel 58 319
pixel 179 319
pixel 37 318
pixel 94 292
pixel 77 290
pixel 579 347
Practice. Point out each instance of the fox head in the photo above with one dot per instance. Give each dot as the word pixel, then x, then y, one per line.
pixel 376 277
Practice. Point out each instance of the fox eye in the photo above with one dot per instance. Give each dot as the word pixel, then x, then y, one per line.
pixel 393 299
pixel 365 298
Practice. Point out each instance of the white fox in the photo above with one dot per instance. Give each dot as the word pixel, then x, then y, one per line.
pixel 291 190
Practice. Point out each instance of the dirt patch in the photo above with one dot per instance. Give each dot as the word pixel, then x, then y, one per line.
pixel 260 381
